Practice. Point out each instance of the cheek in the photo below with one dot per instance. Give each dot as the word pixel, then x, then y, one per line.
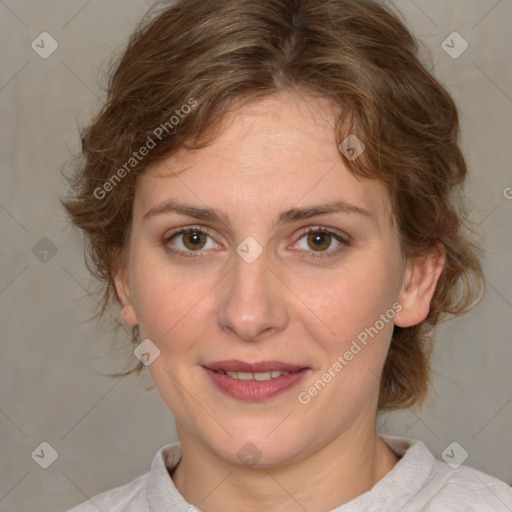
pixel 354 301
pixel 357 337
pixel 169 304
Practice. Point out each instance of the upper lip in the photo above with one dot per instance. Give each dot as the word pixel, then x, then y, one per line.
pixel 261 366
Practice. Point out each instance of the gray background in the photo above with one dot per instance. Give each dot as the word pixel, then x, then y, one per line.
pixel 105 430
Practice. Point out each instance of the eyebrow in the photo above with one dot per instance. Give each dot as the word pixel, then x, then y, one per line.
pixel 289 215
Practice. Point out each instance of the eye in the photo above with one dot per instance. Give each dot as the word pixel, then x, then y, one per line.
pixel 320 239
pixel 190 239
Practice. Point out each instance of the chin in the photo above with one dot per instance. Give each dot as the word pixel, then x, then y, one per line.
pixel 259 450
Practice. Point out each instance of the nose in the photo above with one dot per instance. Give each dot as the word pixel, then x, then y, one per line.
pixel 254 300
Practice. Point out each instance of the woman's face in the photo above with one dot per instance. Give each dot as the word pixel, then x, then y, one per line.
pixel 245 285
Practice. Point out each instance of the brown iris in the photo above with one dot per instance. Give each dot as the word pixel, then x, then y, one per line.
pixel 194 239
pixel 319 238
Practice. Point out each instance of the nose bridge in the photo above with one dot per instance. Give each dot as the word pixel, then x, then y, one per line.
pixel 253 305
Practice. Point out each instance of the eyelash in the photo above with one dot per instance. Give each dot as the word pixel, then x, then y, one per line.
pixel 315 255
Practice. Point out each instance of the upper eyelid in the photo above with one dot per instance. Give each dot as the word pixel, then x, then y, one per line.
pixel 184 229
pixel 346 237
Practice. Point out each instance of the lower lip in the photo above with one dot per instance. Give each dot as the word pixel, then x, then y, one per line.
pixel 255 390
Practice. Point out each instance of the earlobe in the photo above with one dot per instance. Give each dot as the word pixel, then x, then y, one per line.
pixel 420 280
pixel 123 294
pixel 128 315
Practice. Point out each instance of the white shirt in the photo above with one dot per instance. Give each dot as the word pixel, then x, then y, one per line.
pixel 418 482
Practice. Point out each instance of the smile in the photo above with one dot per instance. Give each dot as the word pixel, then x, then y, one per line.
pixel 254 381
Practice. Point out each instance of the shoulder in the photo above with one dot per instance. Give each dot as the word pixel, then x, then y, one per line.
pixel 130 497
pixel 144 492
pixel 469 489
pixel 429 485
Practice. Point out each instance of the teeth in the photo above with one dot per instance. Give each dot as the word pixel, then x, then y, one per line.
pixel 244 376
pixel 260 376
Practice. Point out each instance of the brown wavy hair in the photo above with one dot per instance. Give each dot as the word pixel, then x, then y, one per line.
pixel 224 53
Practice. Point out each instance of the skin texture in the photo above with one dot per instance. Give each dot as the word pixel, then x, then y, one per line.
pixel 272 154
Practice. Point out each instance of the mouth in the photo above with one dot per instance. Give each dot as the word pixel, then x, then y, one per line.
pixel 254 381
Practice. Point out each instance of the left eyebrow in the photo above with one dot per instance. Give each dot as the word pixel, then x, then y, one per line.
pixel 295 214
pixel 287 216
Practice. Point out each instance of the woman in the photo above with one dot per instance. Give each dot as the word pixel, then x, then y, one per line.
pixel 268 194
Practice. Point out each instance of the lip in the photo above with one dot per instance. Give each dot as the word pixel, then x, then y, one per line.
pixel 253 390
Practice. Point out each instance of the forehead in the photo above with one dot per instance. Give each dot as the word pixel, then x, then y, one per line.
pixel 274 152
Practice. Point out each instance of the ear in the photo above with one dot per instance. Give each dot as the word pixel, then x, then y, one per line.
pixel 418 287
pixel 122 287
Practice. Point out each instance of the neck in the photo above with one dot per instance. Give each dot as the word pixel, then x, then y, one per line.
pixel 341 470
